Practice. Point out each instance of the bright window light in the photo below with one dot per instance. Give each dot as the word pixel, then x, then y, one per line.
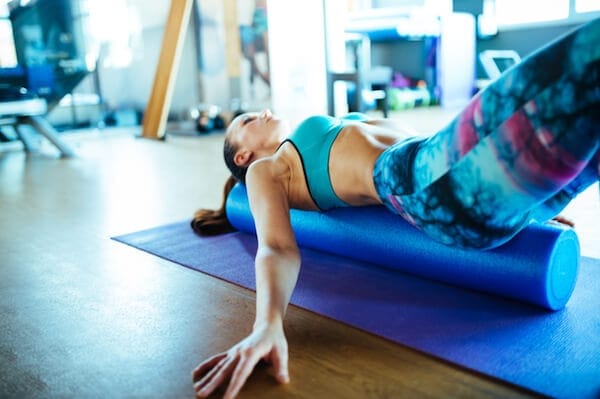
pixel 512 12
pixel 8 54
pixel 587 5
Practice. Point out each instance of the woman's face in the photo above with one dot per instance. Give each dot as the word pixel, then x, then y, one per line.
pixel 260 133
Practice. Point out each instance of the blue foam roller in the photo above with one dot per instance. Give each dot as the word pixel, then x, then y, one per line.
pixel 539 266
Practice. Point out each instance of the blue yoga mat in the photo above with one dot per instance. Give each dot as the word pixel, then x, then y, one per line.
pixel 538 266
pixel 552 353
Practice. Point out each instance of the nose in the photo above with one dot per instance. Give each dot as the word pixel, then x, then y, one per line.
pixel 266 114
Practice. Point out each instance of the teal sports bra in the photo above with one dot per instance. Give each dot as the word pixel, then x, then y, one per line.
pixel 313 139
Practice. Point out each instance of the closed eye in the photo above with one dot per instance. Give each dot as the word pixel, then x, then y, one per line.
pixel 248 120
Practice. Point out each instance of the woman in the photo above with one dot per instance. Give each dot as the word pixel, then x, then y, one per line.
pixel 521 150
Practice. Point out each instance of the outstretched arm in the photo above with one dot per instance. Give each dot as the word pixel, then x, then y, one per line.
pixel 277 266
pixel 277 257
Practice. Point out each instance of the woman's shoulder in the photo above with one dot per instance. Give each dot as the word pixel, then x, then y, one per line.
pixel 261 167
pixel 273 167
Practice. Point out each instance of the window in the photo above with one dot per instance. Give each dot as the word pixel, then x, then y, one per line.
pixel 114 26
pixel 8 54
pixel 587 5
pixel 513 12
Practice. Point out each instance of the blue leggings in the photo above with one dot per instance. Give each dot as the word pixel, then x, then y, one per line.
pixel 520 151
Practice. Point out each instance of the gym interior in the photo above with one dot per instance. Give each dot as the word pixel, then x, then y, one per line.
pixel 112 120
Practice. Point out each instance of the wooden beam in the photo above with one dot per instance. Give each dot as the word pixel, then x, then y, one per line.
pixel 233 47
pixel 155 117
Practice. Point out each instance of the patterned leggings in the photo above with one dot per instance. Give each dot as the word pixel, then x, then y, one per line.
pixel 520 151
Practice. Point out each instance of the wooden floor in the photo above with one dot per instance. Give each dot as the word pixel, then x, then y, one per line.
pixel 82 316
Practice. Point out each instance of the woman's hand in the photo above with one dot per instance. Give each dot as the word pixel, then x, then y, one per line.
pixel 266 342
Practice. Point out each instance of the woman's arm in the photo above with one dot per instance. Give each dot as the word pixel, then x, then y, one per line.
pixel 277 257
pixel 277 266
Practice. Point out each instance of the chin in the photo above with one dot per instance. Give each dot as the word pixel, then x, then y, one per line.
pixel 281 127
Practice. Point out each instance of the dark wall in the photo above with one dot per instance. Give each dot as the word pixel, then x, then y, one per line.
pixel 523 41
pixel 408 56
pixel 404 56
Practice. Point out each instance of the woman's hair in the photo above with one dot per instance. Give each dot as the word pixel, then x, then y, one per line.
pixel 210 222
pixel 229 150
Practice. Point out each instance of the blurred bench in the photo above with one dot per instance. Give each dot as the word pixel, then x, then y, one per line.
pixel 31 111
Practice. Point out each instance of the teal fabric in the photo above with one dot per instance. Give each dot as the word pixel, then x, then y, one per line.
pixel 313 139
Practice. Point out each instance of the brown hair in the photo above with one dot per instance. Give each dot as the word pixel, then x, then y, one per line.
pixel 211 222
pixel 229 150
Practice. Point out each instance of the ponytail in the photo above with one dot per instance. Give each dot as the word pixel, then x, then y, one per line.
pixel 211 222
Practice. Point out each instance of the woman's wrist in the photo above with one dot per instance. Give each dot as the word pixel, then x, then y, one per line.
pixel 274 321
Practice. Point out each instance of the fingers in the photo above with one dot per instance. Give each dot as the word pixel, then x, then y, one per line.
pixel 241 373
pixel 215 377
pixel 222 366
pixel 206 365
pixel 280 364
